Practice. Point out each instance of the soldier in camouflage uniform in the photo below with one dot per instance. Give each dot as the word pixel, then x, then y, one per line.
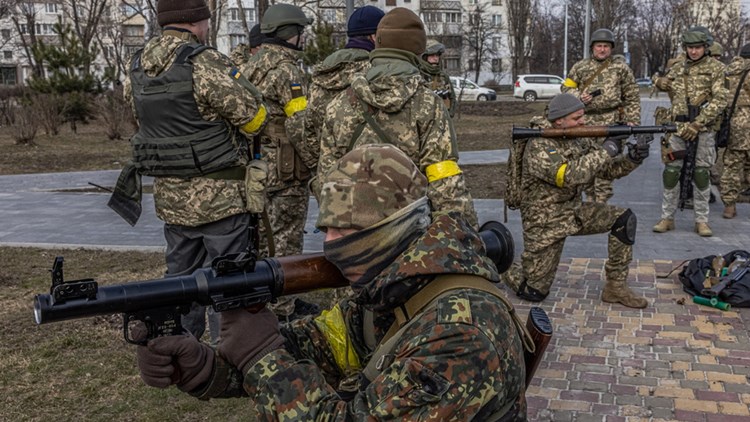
pixel 607 87
pixel 203 207
pixel 390 104
pixel 336 72
pixel 698 81
pixel 437 79
pixel 553 175
pixel 737 153
pixel 242 53
pixel 459 359
pixel 276 73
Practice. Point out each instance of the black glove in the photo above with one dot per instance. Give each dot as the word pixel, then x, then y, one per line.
pixel 612 146
pixel 246 337
pixel 638 151
pixel 180 360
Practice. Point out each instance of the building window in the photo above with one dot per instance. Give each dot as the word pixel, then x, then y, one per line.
pixel 5 33
pixel 234 15
pixel 472 64
pixel 390 2
pixel 451 64
pixel 132 30
pixel 329 15
pixel 128 10
pixel 7 54
pixel 452 17
pixel 497 20
pixel 497 3
pixel 497 43
pixel 51 8
pixel 235 40
pixel 497 65
pixel 8 75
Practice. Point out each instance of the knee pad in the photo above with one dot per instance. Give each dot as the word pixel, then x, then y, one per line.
pixel 702 178
pixel 671 176
pixel 624 227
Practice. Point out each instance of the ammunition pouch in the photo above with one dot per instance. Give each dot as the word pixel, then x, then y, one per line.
pixel 289 164
pixel 256 175
pixel 662 116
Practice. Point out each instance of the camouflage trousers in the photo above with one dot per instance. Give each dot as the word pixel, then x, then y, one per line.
pixel 704 159
pixel 735 174
pixel 287 214
pixel 190 248
pixel 542 250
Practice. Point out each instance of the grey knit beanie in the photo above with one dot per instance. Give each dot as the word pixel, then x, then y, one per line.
pixel 562 105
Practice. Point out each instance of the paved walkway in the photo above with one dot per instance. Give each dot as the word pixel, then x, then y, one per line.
pixel 671 361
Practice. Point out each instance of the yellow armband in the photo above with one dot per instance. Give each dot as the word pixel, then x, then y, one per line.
pixel 295 105
pixel 331 324
pixel 569 83
pixel 253 126
pixel 560 177
pixel 441 170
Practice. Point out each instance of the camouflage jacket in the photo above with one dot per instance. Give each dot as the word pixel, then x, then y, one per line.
pixel 240 54
pixel 555 171
pixel 739 135
pixel 440 83
pixel 619 100
pixel 197 201
pixel 462 359
pixel 701 83
pixel 412 118
pixel 275 72
pixel 328 80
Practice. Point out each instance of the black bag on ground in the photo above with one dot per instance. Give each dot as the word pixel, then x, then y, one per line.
pixel 736 294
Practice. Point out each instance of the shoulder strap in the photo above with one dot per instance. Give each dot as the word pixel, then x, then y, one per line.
pixel 737 94
pixel 367 110
pixel 599 70
pixel 409 312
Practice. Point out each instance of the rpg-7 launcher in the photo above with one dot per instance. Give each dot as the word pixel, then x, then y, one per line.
pixel 589 131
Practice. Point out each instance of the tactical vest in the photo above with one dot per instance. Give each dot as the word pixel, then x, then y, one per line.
pixel 173 138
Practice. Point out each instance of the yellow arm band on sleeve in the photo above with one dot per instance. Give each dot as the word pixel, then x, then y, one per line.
pixel 442 170
pixel 560 177
pixel 570 83
pixel 253 126
pixel 295 105
pixel 331 324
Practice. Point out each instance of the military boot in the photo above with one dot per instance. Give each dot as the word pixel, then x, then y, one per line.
pixel 513 276
pixel 730 211
pixel 664 225
pixel 618 292
pixel 703 230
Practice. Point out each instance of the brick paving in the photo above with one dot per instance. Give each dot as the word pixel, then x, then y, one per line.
pixel 672 361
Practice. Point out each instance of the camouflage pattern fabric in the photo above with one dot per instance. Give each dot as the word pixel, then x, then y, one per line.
pixel 461 360
pixel 197 201
pixel 619 102
pixel 274 71
pixel 412 117
pixel 701 83
pixel 240 54
pixel 439 82
pixel 737 154
pixel 328 80
pixel 553 176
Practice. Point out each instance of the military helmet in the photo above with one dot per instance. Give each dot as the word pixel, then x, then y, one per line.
pixel 280 14
pixel 602 35
pixel 705 30
pixel 694 38
pixel 716 50
pixel 433 47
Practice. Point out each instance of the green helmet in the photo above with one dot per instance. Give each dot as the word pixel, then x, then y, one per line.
pixel 433 47
pixel 602 35
pixel 280 14
pixel 716 50
pixel 705 30
pixel 694 38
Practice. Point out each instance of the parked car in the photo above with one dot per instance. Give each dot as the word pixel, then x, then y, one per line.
pixel 532 87
pixel 467 90
pixel 643 82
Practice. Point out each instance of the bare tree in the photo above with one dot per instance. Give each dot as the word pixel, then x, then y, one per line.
pixel 547 41
pixel 111 41
pixel 85 16
pixel 23 14
pixel 519 21
pixel 245 26
pixel 477 34
pixel 147 10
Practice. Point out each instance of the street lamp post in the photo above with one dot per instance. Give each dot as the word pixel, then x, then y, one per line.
pixel 565 52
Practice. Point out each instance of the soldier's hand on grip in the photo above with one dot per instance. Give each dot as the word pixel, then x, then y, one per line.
pixel 663 83
pixel 612 146
pixel 246 337
pixel 181 360
pixel 690 131
pixel 638 151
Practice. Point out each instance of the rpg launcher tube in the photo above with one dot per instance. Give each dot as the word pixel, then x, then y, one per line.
pixel 713 302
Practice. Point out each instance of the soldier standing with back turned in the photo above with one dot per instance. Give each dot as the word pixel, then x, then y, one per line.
pixel 698 98
pixel 275 72
pixel 607 87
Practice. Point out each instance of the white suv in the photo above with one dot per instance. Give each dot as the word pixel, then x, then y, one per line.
pixel 531 87
pixel 469 91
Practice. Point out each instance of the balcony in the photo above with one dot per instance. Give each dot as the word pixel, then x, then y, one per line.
pixel 441 5
pixel 339 4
